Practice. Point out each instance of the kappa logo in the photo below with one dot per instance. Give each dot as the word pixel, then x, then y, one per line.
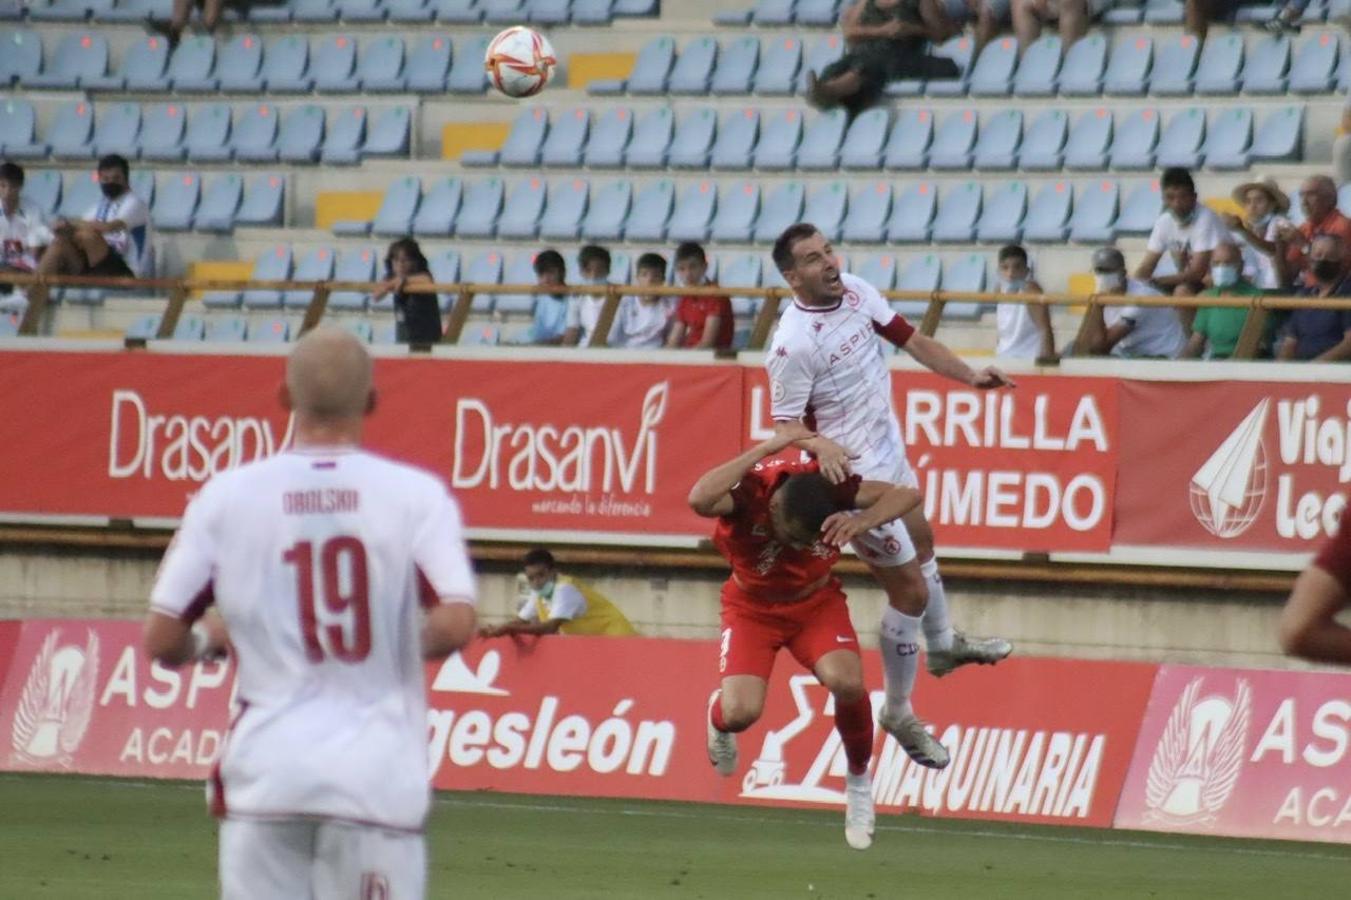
pixel 768 775
pixel 456 677
pixel 1227 492
pixel 1197 762
pixel 57 701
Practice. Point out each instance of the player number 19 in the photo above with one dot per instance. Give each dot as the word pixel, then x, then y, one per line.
pixel 346 608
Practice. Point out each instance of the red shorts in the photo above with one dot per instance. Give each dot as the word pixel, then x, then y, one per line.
pixel 753 631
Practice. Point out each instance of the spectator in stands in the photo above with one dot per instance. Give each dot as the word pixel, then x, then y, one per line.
pixel 182 11
pixel 1024 329
pixel 1264 208
pixel 584 310
pixel 642 321
pixel 1318 197
pixel 1341 147
pixel 1073 16
pixel 1131 332
pixel 557 603
pixel 1215 329
pixel 1187 230
pixel 114 239
pixel 886 41
pixel 1321 335
pixel 551 310
pixel 417 317
pixel 701 323
pixel 987 18
pixel 23 235
pixel 1287 17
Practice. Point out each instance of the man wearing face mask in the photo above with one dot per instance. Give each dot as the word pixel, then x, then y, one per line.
pixel 584 311
pixel 1318 197
pixel 560 603
pixel 1024 329
pixel 1189 232
pixel 1321 335
pixel 114 239
pixel 1216 329
pixel 1130 332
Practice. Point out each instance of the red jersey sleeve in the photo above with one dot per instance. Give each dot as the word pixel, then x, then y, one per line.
pixel 898 331
pixel 751 492
pixel 1335 557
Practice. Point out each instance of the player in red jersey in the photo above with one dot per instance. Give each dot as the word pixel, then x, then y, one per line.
pixel 1309 626
pixel 781 525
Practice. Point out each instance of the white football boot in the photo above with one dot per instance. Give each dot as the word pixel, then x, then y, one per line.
pixel 859 818
pixel 964 651
pixel 721 744
pixel 914 739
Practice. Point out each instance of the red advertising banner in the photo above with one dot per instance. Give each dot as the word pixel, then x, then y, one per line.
pixel 9 639
pixel 1248 753
pixel 1030 469
pixel 1235 465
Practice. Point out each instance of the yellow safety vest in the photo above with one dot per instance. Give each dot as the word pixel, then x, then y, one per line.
pixel 601 616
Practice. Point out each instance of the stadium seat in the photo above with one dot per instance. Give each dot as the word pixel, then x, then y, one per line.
pixel 651 69
pixel 779 67
pixel 286 63
pixel 208 133
pixel 1038 70
pixel 503 12
pixel 220 203
pixel 143 185
pixel 912 213
pixel 81 55
pixel 820 13
pixel 693 70
pixel 1219 71
pixel 1174 66
pixel 445 267
pixel 689 220
pixel 71 131
pixel 1267 70
pixel 42 188
pixel 652 137
pixel 380 68
pixel 117 130
pixel 334 65
pixel 824 52
pixel 605 217
pixel 523 143
pixel 1314 67
pixel 240 66
pixel 429 65
pixel 18 130
pixel 458 12
pixel 1085 64
pixel 637 8
pixel 1043 148
pixel 567 203
pixel 1128 68
pixel 144 67
pixel 1281 136
pixel 1229 140
pixel 191 66
pixel 1181 142
pixel 60 10
pixel 878 269
pixel 1163 12
pixel 394 218
pixel 361 329
pixel 781 208
pixel 610 137
pixel 737 63
pixel 592 12
pixel 992 76
pixel 264 201
pixel 272 265
pixel 314 11
pixel 225 330
pixel 300 135
pixel 1094 214
pixel 954 141
pixel 390 134
pixel 959 50
pixel 738 137
pixel 79 195
pixel 344 134
pixel 255 134
pixel 773 13
pixel 1000 137
pixel 190 328
pixel 361 10
pixel 521 270
pixel 1001 219
pixel 1089 141
pixel 693 140
pixel 778 144
pixel 1048 214
pixel 869 209
pixel 269 331
pixel 1140 210
pixel 441 205
pixel 316 265
pixel 825 208
pixel 821 142
pixel 923 273
pixel 652 210
pixel 550 12
pixel 567 136
pixel 480 208
pixel 742 270
pixel 865 142
pixel 965 274
pixel 179 195
pixel 20 56
pixel 738 208
pixel 136 11
pixel 353 265
pixel 1135 142
pixel 958 210
pixel 908 143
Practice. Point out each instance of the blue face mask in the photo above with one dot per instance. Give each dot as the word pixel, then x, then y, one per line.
pixel 1224 275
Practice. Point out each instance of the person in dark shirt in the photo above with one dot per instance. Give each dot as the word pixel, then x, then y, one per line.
pixel 1321 335
pixel 417 317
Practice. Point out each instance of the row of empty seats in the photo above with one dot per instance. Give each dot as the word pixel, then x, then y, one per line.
pixel 465 12
pixel 747 139
pixel 211 132
pixel 1171 65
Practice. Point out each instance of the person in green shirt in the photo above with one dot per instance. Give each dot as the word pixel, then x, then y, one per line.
pixel 1216 329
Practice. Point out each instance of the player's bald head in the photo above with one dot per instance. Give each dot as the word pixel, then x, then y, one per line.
pixel 328 375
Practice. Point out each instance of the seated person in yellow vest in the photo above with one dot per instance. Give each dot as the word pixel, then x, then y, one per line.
pixel 560 603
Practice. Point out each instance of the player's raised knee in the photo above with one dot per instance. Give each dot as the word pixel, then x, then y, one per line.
pixel 739 713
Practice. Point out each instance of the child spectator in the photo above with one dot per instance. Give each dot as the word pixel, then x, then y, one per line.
pixel 417 317
pixel 1024 329
pixel 584 311
pixel 701 323
pixel 551 310
pixel 642 321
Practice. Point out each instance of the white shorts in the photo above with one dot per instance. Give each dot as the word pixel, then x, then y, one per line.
pixel 890 544
pixel 313 859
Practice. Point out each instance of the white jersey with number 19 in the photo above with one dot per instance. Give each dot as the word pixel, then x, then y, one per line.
pixel 318 560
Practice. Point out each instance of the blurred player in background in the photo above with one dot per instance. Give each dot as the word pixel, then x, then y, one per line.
pixel 1309 626
pixel 321 561
pixel 781 525
pixel 827 368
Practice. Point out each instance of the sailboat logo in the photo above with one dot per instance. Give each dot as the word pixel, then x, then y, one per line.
pixel 1226 493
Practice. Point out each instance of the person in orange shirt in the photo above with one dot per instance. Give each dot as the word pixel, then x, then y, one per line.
pixel 699 323
pixel 1318 196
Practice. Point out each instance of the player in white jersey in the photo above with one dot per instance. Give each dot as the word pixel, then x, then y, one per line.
pixel 335 573
pixel 827 365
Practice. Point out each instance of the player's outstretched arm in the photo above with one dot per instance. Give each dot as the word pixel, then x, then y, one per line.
pixel 936 357
pixel 878 502
pixel 711 495
pixel 1309 626
pixel 448 626
pixel 172 642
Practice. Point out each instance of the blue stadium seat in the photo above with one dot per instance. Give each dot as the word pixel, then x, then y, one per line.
pixel 361 10
pixel 737 138
pixel 954 141
pixel 967 274
pixel 550 12
pixel 523 143
pixel 693 140
pixel 344 134
pixel 824 52
pixel 652 137
pixel 334 65
pixel 567 203
pixel 72 130
pixel 81 55
pixel 22 56
pixel 820 13
pixel 264 201
pixel 605 217
pixel 738 208
pixel 773 13
pixel 737 64
pixel 240 65
pixel 912 213
pixel 286 63
pixel 361 329
pixel 317 265
pixel 143 185
pixel 60 11
pixel 869 210
pixel 301 133
pixel 959 50
pixel 1095 213
pixel 353 265
pixel 992 75
pixel 689 220
pixel 220 203
pixel 1128 69
pixel 429 65
pixel 394 218
pixel 742 270
pixel 521 270
pixel 1136 141
pixel 316 11
pixel 117 130
pixel 191 66
pixel 567 136
pixel 1174 66
pixel 1001 218
pixel 269 331
pixel 610 138
pixel 1043 148
pixel 822 140
pixel 1314 68
pixel 958 210
pixel 781 208
pixel 208 134
pixel 652 68
pixel 779 67
pixel 480 208
pixel 79 195
pixel 178 197
pixel 865 143
pixel 42 188
pixel 1000 137
pixel 1037 72
pixel 503 12
pixel 778 145
pixel 144 66
pixel 1084 67
pixel 922 273
pixel 272 265
pixel 694 68
pixel 909 141
pixel 826 207
pixel 409 11
pixel 1267 70
pixel 255 134
pixel 458 12
pixel 445 267
pixel 1219 71
pixel 1163 12
pixel 225 330
pixel 18 130
pixel 189 328
pixel 1090 140
pixel 136 11
pixel 637 8
pixel 592 12
pixel 436 215
pixel 390 134
pixel 1280 137
pixel 878 269
pixel 652 210
pixel 1229 140
pixel 1181 142
pixel 1140 210
pixel 380 68
pixel 1048 215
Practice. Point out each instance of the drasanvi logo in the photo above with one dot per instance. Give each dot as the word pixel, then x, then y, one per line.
pixel 456 677
pixel 57 701
pixel 1198 759
pixel 768 775
pixel 1227 492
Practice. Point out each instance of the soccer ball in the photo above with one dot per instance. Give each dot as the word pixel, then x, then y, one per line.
pixel 520 62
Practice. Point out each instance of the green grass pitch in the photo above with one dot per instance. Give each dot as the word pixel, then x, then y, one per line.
pixel 76 837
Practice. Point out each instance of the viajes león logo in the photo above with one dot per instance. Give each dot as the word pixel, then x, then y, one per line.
pixel 1227 492
pixel 1200 755
pixel 57 701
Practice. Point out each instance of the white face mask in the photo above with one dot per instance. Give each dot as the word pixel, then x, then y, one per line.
pixel 1113 283
pixel 1012 285
pixel 1224 275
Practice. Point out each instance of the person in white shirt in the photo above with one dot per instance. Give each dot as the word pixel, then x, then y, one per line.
pixel 1129 332
pixel 335 573
pixel 23 235
pixel 114 239
pixel 1189 232
pixel 1257 232
pixel 642 321
pixel 584 310
pixel 1024 329
pixel 827 369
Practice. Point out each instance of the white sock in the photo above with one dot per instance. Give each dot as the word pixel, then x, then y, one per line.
pixel 900 658
pixel 937 623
